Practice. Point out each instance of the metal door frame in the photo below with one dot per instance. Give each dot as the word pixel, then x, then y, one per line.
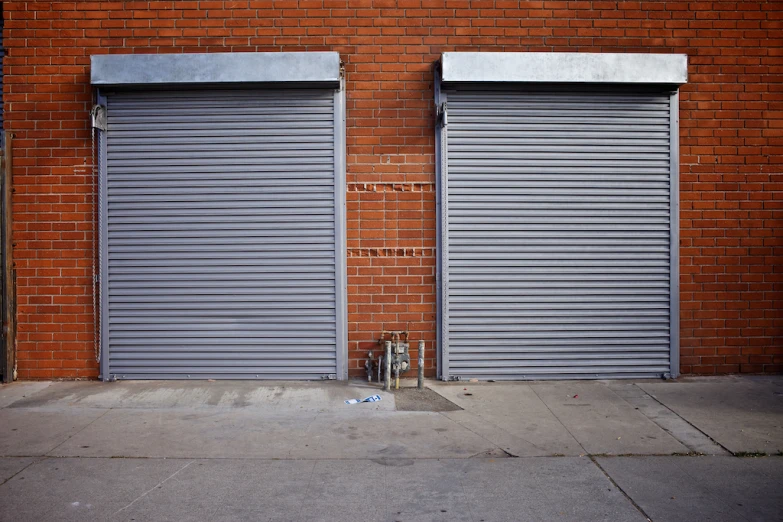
pixel 305 70
pixel 473 68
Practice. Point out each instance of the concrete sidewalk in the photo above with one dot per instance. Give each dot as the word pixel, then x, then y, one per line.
pixel 602 450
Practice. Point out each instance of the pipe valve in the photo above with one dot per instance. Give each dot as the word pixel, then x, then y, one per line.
pixel 396 358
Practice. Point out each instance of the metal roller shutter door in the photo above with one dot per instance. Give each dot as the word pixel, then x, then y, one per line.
pixel 220 234
pixel 558 234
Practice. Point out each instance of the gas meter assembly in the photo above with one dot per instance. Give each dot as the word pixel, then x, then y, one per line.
pixel 396 358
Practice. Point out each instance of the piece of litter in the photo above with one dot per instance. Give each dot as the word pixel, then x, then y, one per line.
pixel 371 398
pixel 474 380
pixel 576 396
pixel 618 438
pixel 464 388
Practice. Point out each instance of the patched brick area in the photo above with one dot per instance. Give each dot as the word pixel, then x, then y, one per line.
pixel 731 137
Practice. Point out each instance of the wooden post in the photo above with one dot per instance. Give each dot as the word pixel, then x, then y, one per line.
pixel 9 273
pixel 3 360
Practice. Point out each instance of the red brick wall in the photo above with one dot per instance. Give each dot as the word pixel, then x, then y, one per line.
pixel 731 149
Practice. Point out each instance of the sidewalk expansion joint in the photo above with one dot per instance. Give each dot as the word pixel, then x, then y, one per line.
pixel 584 450
pixel 621 490
pixel 686 421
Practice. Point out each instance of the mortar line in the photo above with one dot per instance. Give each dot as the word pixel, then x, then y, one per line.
pixel 532 388
pixel 686 421
pixel 621 490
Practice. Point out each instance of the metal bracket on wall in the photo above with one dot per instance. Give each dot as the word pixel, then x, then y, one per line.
pixel 441 115
pixel 98 117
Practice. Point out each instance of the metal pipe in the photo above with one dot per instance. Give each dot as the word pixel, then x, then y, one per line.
pixel 397 377
pixel 421 366
pixel 387 363
pixel 368 366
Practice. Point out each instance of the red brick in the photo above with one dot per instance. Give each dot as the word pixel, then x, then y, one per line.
pixel 731 182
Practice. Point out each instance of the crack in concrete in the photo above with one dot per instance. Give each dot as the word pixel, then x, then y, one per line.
pixel 621 490
pixel 156 486
pixel 500 428
pixel 467 498
pixel 307 488
pixel 40 459
pixel 479 436
pixel 72 435
pixel 532 388
pixel 305 430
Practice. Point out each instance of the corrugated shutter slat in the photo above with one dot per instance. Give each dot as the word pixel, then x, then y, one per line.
pixel 558 227
pixel 221 234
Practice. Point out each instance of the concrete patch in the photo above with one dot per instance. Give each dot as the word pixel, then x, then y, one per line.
pixel 513 439
pixel 603 423
pixel 229 490
pixel 72 489
pixel 17 391
pixel 187 433
pixel 34 433
pixel 381 435
pixel 326 490
pixel 670 422
pixel 701 488
pixel 511 417
pixel 271 397
pixel 245 434
pixel 742 414
pixel 543 489
pixel 63 392
pixel 420 491
pixel 413 399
